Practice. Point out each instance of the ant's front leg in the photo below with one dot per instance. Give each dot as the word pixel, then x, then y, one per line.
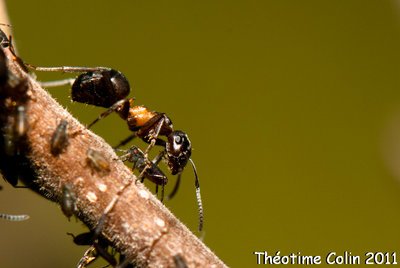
pixel 158 125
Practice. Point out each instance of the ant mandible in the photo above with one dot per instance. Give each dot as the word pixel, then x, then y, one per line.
pixel 108 88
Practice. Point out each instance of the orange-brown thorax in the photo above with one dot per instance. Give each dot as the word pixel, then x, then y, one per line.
pixel 138 116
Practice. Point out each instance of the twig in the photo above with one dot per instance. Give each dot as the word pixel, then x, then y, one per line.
pixel 139 226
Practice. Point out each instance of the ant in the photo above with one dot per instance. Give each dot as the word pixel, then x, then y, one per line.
pixel 105 87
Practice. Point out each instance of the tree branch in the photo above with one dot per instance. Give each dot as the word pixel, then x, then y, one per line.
pixel 139 225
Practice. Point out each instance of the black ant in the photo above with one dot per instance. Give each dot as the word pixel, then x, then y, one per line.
pixel 105 87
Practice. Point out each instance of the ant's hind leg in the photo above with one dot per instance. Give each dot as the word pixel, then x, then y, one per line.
pixel 66 69
pixel 57 83
pixel 125 141
pixel 121 106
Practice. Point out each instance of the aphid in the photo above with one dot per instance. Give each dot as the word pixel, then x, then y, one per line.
pixel 59 139
pixel 14 217
pixel 152 172
pixel 97 161
pixel 180 261
pixel 68 205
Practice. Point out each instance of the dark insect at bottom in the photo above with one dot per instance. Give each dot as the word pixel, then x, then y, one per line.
pixel 100 245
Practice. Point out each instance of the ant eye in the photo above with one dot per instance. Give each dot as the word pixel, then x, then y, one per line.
pixel 178 139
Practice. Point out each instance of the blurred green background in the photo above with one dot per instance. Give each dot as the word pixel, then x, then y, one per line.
pixel 292 107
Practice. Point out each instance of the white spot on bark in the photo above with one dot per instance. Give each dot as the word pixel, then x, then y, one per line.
pixel 159 222
pixel 144 194
pixel 92 197
pixel 102 187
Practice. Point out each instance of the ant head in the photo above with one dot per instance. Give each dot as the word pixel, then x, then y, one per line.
pixel 101 88
pixel 179 150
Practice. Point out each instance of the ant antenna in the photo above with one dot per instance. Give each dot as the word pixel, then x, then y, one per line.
pixel 178 181
pixel 14 217
pixel 199 203
pixel 5 24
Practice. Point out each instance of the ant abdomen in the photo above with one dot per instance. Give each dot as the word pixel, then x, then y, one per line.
pixel 101 88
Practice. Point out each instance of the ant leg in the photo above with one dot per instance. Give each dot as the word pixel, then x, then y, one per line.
pixel 154 137
pixel 178 181
pixel 102 251
pixel 86 259
pixel 110 206
pixel 125 141
pixel 123 262
pixel 58 83
pixel 67 69
pixel 158 158
pixel 162 192
pixel 119 104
